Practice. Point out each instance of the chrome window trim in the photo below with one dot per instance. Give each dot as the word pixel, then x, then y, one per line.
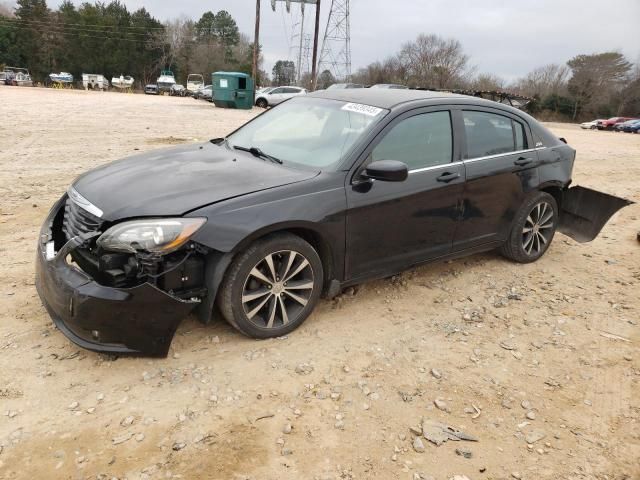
pixel 424 169
pixel 83 202
pixel 498 155
pixel 433 167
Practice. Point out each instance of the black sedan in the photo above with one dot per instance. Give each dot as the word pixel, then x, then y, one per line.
pixel 322 192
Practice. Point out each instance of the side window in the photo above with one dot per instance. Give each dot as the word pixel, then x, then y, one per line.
pixel 420 141
pixel 519 136
pixel 490 134
pixel 291 90
pixel 276 91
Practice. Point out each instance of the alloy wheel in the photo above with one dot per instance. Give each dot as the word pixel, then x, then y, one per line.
pixel 277 289
pixel 538 228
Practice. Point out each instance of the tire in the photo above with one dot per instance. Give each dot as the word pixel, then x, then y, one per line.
pixel 533 229
pixel 262 103
pixel 252 302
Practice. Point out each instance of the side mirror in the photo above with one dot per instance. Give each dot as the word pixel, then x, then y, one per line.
pixel 387 171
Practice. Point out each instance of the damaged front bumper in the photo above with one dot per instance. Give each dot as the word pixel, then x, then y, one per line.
pixel 141 319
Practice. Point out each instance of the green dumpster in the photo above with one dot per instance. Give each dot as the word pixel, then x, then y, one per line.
pixel 232 90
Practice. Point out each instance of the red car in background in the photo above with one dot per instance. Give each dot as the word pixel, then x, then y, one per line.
pixel 611 122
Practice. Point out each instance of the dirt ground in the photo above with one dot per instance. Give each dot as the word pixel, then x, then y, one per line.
pixel 539 362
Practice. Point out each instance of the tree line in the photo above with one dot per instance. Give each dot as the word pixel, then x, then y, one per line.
pixel 107 38
pixel 587 86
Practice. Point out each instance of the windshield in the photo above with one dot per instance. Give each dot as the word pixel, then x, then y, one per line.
pixel 313 132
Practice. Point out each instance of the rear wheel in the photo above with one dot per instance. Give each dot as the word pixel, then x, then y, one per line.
pixel 262 103
pixel 533 229
pixel 272 287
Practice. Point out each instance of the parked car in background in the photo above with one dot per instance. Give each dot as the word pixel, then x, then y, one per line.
pixel 151 89
pixel 264 90
pixel 341 86
pixel 592 125
pixel 610 123
pixel 619 127
pixel 177 90
pixel 322 192
pixel 632 127
pixel 204 93
pixel 278 95
pixel 389 85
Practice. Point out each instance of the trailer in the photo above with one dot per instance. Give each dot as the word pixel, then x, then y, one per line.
pixel 94 81
pixel 195 81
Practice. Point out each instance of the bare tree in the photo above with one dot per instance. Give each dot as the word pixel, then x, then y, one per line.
pixel 547 80
pixel 487 82
pixel 433 61
pixel 389 70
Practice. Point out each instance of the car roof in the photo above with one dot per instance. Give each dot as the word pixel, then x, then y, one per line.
pixel 391 97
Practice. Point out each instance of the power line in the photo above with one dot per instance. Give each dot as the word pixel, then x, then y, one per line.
pixel 113 35
pixel 56 28
pixel 41 22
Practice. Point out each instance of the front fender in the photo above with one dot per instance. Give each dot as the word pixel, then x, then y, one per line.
pixel 316 212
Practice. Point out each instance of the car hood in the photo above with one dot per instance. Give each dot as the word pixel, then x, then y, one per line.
pixel 177 180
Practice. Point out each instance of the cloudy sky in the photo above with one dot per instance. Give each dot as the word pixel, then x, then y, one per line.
pixel 507 38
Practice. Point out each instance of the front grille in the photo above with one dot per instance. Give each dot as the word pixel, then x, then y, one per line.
pixel 77 220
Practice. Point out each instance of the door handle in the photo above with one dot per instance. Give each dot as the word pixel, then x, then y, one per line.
pixel 523 161
pixel 447 177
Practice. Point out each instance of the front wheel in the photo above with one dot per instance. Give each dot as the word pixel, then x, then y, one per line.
pixel 262 103
pixel 272 287
pixel 533 229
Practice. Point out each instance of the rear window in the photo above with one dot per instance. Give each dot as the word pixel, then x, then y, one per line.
pixel 492 134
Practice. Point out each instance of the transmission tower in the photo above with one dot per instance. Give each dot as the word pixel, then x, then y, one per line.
pixel 299 40
pixel 335 55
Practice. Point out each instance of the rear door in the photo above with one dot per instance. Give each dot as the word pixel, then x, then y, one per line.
pixel 291 92
pixel 501 166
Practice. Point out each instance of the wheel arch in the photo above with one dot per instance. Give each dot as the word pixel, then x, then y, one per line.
pixel 305 230
pixel 556 190
pixel 218 262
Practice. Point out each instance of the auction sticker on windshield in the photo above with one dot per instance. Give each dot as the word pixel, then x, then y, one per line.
pixel 360 108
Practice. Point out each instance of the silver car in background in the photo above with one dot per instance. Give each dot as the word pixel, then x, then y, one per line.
pixel 277 95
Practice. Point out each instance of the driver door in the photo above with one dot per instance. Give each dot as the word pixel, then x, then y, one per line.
pixel 393 225
pixel 276 96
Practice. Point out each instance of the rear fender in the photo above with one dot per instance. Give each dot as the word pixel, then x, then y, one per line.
pixel 585 212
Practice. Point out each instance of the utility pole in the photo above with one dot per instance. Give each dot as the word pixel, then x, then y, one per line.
pixel 299 65
pixel 256 45
pixel 315 34
pixel 314 63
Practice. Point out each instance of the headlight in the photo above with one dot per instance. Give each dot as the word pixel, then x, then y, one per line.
pixel 161 235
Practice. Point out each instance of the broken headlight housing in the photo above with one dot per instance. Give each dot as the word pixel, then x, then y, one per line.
pixel 160 235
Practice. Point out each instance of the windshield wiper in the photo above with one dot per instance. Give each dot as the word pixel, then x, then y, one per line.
pixel 255 151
